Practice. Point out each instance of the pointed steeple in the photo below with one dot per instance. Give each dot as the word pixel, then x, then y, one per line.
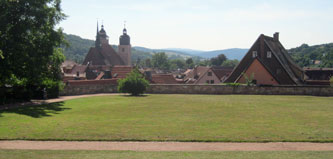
pixel 97 42
pixel 97 28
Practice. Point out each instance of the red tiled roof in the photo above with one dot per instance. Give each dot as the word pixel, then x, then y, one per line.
pixel 120 71
pixel 197 71
pixel 221 72
pixel 163 79
pixel 91 82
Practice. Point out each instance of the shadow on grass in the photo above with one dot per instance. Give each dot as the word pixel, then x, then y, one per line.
pixel 37 111
pixel 134 96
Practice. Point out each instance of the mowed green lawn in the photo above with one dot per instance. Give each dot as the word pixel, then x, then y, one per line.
pixel 221 118
pixel 21 154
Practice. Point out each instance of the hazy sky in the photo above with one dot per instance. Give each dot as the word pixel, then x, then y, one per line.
pixel 202 24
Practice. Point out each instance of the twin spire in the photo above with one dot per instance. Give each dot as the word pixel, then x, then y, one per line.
pixel 124 39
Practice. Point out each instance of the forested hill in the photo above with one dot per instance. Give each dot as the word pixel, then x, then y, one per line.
pixel 307 56
pixel 78 47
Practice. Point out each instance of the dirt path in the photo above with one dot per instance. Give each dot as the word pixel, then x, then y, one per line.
pixel 163 146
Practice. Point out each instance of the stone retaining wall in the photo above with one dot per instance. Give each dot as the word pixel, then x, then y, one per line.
pixel 71 90
pixel 222 89
pixel 204 89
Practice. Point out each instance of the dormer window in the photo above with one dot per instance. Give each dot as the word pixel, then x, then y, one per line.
pixel 254 54
pixel 269 54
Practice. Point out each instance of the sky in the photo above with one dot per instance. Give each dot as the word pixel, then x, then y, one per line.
pixel 202 24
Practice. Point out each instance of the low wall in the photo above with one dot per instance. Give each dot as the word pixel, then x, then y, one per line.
pixel 204 89
pixel 222 89
pixel 71 90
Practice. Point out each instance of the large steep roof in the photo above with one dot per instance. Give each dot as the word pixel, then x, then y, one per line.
pixel 281 65
pixel 105 55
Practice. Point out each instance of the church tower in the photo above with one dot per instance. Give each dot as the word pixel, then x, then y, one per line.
pixel 124 48
pixel 101 37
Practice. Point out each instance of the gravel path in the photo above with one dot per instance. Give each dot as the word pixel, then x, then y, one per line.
pixel 163 146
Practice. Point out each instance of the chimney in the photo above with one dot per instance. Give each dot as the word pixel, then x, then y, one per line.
pixel 276 36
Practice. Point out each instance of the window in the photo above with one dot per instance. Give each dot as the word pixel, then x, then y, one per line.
pixel 207 81
pixel 210 74
pixel 123 49
pixel 269 54
pixel 212 81
pixel 254 54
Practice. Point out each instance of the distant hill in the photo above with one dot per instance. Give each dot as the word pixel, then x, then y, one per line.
pixel 187 51
pixel 78 47
pixel 232 54
pixel 172 54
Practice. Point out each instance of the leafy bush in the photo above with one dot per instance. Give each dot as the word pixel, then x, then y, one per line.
pixel 53 88
pixel 249 80
pixel 134 83
pixel 233 84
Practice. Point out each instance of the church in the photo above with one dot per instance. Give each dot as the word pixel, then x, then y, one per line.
pixel 104 55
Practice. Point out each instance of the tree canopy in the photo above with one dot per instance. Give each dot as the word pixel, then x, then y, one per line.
pixel 29 41
pixel 160 61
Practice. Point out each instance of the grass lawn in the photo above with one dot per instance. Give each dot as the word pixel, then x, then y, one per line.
pixel 24 154
pixel 236 118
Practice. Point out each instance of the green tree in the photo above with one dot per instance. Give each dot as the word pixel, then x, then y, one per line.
pixel 134 83
pixel 205 63
pixel 28 39
pixel 190 63
pixel 218 61
pixel 160 61
pixel 178 64
pixel 230 63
